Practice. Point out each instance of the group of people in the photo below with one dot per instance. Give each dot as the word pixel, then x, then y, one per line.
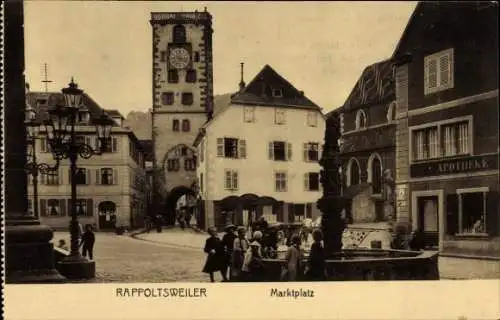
pixel 86 239
pixel 240 259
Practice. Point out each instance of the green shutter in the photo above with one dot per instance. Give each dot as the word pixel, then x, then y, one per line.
pixel 305 153
pixel 271 150
pixel 115 145
pixel 289 151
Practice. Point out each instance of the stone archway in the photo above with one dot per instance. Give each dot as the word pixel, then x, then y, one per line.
pixel 170 205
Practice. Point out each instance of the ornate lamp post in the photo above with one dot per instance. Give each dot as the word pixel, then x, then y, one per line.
pixel 61 135
pixel 32 167
pixel 332 202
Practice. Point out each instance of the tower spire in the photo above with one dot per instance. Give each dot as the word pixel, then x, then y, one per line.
pixel 242 82
pixel 45 80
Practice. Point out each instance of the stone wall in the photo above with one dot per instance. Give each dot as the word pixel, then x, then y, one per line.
pixel 402 147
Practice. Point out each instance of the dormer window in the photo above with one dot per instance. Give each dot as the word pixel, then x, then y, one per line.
pixel 277 93
pixel 84 116
pixel 361 120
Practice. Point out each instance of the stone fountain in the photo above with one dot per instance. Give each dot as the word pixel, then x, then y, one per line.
pixel 355 264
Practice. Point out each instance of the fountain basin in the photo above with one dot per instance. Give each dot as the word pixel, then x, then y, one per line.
pixel 371 264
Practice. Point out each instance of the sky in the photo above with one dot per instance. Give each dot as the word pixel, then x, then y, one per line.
pixel 320 47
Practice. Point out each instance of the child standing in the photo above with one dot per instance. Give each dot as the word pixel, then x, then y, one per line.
pixel 316 268
pixel 88 240
pixel 215 258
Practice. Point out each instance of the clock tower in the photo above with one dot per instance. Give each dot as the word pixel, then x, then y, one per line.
pixel 182 100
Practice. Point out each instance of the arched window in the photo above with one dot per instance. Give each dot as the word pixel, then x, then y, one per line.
pixel 107 207
pixel 353 173
pixel 179 34
pixel 391 112
pixel 185 125
pixel 361 120
pixel 376 173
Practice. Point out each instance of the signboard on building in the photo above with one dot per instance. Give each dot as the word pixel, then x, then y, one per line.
pixel 455 166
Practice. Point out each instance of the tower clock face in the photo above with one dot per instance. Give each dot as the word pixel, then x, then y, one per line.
pixel 179 58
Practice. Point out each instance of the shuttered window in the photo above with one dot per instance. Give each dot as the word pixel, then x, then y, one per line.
pixel 438 71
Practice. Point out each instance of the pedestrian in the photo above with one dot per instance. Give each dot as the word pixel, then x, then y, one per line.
pixel 293 260
pixel 253 263
pixel 62 244
pixel 228 244
pixel 215 255
pixel 316 262
pixel 158 222
pixel 88 240
pixel 417 241
pixel 240 246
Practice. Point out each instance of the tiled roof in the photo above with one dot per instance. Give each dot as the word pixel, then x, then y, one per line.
pixel 57 98
pixel 260 92
pixel 376 85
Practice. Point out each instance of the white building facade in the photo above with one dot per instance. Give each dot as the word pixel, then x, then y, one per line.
pixel 111 187
pixel 260 155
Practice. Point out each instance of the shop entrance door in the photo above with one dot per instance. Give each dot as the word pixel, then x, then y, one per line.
pixel 428 219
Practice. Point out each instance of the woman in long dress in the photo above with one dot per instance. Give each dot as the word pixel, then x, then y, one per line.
pixel 293 259
pixel 215 255
pixel 240 246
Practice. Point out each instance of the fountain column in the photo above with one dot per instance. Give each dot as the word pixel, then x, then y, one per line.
pixel 331 203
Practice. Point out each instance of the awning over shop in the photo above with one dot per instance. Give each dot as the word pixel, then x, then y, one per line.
pixel 248 200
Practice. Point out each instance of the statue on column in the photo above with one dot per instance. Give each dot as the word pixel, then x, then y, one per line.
pixel 389 197
pixel 331 203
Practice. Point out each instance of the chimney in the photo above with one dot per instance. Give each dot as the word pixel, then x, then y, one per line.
pixel 242 82
pixel 301 93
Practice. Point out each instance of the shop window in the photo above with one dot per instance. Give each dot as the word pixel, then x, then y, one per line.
pixel 472 212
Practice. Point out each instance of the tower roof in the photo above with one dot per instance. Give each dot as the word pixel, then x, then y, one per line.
pixel 269 88
pixel 375 85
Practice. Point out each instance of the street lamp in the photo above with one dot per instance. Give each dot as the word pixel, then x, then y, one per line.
pixel 60 129
pixel 32 166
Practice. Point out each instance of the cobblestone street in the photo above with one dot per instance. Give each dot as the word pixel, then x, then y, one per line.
pixel 125 259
